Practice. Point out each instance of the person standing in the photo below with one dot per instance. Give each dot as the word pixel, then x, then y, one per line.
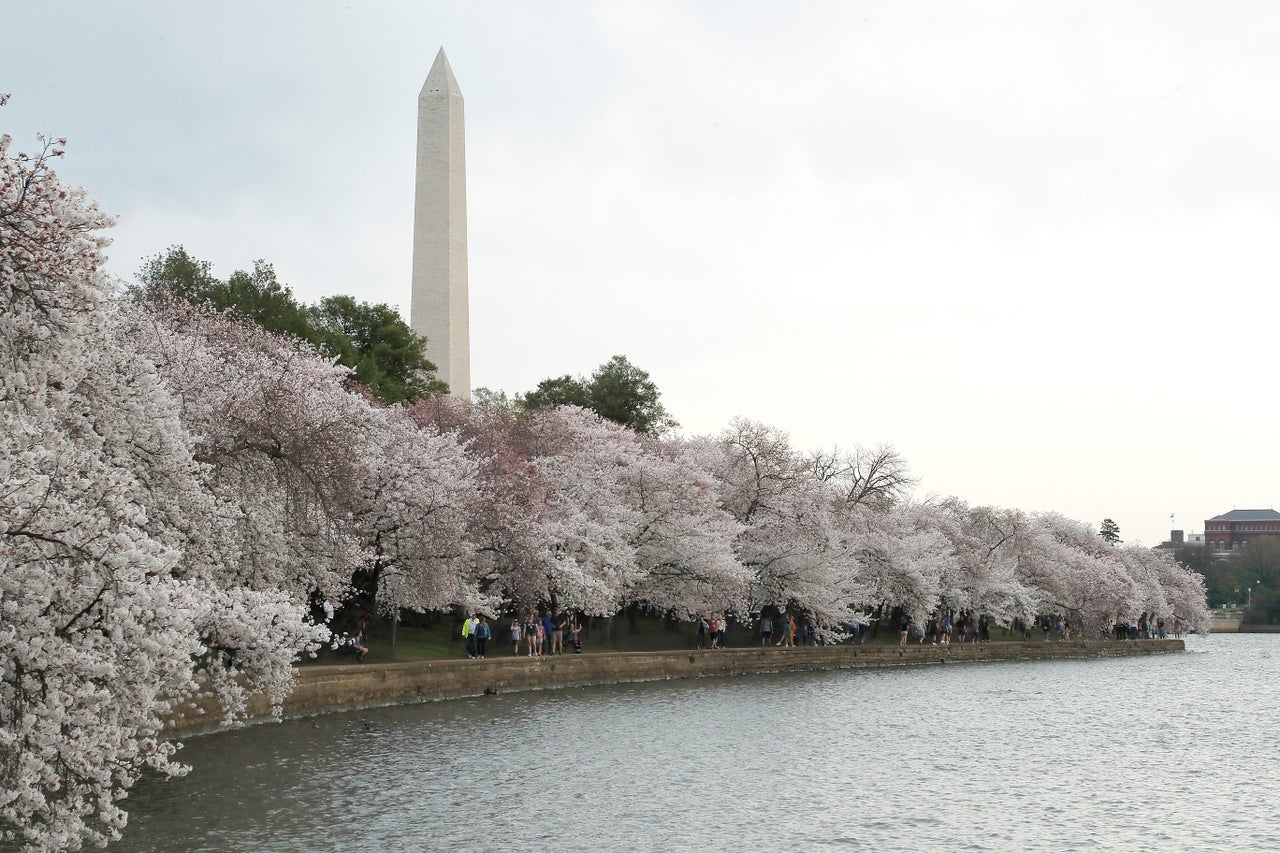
pixel 469 626
pixel 548 630
pixel 531 635
pixel 515 635
pixel 483 633
pixel 575 636
pixel 766 630
pixel 558 622
pixel 328 610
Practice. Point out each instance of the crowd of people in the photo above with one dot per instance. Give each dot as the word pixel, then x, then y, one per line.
pixel 1145 627
pixel 551 631
pixel 939 629
pixel 542 633
pixel 712 628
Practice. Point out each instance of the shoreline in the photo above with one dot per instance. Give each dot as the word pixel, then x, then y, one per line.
pixel 329 689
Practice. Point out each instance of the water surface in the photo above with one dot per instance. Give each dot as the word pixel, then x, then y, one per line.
pixel 1171 752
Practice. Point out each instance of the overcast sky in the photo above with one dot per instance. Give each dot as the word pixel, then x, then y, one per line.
pixel 1030 244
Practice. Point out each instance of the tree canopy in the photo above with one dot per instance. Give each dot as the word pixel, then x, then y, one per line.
pixel 617 391
pixel 383 353
pixel 1110 532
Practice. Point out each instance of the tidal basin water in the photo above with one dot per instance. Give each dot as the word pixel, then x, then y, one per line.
pixel 1171 752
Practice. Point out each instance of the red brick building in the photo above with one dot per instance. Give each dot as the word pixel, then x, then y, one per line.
pixel 1232 531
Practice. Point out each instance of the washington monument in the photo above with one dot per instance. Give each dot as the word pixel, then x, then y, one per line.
pixel 438 308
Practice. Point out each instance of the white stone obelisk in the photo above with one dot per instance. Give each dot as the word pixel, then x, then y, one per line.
pixel 438 308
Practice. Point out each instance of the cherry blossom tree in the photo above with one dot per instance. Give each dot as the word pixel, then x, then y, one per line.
pixel 906 559
pixel 285 445
pixel 988 543
pixel 630 519
pixel 577 510
pixel 418 501
pixel 1167 588
pixel 794 540
pixel 588 520
pixel 95 635
pixel 873 476
pixel 684 541
pixel 1079 575
pixel 104 515
pixel 325 490
pixel 512 554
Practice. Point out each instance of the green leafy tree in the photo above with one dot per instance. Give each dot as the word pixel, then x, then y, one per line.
pixel 1231 578
pixel 559 391
pixel 261 297
pixel 617 391
pixel 1110 532
pixel 379 346
pixel 1221 580
pixel 1257 571
pixel 495 402
pixel 1258 563
pixel 1264 609
pixel 257 295
pixel 624 394
pixel 175 273
pixel 383 353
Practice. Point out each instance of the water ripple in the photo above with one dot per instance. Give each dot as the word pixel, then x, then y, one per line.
pixel 1167 753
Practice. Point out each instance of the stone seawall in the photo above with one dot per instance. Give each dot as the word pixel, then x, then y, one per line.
pixel 326 689
pixel 1225 621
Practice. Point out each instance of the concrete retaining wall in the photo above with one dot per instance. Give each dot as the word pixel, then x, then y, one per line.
pixel 1225 621
pixel 325 689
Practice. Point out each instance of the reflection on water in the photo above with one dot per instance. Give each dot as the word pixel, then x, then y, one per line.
pixel 1173 752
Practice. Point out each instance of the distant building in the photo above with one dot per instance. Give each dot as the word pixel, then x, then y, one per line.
pixel 1232 531
pixel 1181 539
